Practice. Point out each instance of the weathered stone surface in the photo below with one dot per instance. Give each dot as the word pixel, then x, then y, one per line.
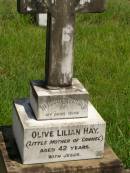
pixel 70 102
pixel 31 6
pixel 57 140
pixel 10 160
pixel 60 40
pixel 60 35
pixel 40 6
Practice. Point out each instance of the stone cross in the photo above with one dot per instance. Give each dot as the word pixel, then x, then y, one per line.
pixel 60 34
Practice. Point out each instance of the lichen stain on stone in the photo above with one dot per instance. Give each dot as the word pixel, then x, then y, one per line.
pixel 66 79
pixel 67 52
pixel 66 33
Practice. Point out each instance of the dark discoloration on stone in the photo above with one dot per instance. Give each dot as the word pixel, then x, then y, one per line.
pixel 31 6
pixel 60 31
pixel 10 161
pixel 40 6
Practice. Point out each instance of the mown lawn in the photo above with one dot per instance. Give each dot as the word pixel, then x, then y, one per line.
pixel 102 64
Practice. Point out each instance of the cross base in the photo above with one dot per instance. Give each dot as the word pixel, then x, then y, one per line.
pixel 10 160
pixel 60 103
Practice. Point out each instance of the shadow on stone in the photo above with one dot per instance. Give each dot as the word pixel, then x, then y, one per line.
pixel 113 167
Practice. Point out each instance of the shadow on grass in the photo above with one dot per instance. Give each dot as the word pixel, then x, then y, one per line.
pixel 11 148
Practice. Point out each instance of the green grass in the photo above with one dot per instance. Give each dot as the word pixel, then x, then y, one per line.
pixel 102 64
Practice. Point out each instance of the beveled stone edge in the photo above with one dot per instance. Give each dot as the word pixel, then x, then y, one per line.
pixel 100 121
pixel 77 82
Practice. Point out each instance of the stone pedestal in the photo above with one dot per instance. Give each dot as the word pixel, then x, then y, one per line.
pixel 70 102
pixel 57 140
pixel 57 125
pixel 10 161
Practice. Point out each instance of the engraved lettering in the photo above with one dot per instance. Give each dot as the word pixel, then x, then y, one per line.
pixel 54 156
pixel 91 130
pixel 45 150
pixel 98 138
pixel 79 147
pixel 68 132
pixel 37 134
pixel 72 155
pixel 64 103
pixel 35 143
pixel 59 141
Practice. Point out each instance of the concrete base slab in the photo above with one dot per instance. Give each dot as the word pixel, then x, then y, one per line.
pixel 10 160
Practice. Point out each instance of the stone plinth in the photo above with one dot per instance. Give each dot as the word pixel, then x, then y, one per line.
pixel 57 140
pixel 60 103
pixel 10 160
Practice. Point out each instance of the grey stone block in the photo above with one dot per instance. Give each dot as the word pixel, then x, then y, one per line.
pixel 69 102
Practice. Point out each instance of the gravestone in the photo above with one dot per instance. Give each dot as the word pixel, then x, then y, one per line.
pixel 41 19
pixel 58 122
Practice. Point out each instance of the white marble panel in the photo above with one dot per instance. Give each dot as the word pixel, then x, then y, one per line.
pixel 57 140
